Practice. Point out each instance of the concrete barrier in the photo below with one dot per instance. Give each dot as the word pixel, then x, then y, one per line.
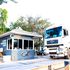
pixel 45 67
pixel 7 58
pixel 53 66
pixel 57 65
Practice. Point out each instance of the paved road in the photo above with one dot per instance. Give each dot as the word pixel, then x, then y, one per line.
pixel 38 62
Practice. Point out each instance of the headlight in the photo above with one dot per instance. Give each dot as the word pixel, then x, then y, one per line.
pixel 60 50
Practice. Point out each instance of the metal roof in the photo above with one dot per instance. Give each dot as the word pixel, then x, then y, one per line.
pixel 20 31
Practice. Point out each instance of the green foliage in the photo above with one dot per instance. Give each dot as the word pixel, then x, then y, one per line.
pixel 3 30
pixel 32 25
pixel 1 2
pixel 5 1
pixel 3 20
pixel 4 15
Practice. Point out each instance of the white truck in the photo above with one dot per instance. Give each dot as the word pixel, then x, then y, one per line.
pixel 57 41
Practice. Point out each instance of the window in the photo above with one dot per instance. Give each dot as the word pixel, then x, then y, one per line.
pixel 10 44
pixel 3 42
pixel 25 44
pixel 54 32
pixel 18 43
pixel 30 44
pixel 65 32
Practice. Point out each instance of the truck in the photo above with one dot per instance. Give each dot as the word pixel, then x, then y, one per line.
pixel 57 41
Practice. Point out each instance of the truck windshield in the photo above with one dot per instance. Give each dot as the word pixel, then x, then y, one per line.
pixel 54 32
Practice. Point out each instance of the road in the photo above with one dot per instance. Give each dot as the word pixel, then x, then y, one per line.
pixel 39 63
pixel 54 60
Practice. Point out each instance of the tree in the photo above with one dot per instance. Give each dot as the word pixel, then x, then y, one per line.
pixel 5 1
pixel 3 20
pixel 21 22
pixel 32 25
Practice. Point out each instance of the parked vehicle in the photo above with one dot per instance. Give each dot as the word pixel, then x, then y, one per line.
pixel 57 40
pixel 41 51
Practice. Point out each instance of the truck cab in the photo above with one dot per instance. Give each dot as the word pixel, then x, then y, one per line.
pixel 56 40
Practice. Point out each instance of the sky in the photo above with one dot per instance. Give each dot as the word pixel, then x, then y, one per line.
pixel 55 11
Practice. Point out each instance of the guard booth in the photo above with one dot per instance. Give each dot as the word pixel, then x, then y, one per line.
pixel 18 44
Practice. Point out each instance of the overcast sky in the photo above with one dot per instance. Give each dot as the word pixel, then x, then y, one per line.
pixel 56 11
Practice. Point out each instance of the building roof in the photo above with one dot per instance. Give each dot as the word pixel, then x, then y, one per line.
pixel 20 31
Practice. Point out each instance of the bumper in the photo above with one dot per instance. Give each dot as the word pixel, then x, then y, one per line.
pixel 57 55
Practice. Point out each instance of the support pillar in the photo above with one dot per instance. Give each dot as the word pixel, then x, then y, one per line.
pixel 33 44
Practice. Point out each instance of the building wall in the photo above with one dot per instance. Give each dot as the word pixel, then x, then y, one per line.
pixel 4 42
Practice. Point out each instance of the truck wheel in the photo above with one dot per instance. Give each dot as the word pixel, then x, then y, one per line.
pixel 65 57
pixel 51 56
